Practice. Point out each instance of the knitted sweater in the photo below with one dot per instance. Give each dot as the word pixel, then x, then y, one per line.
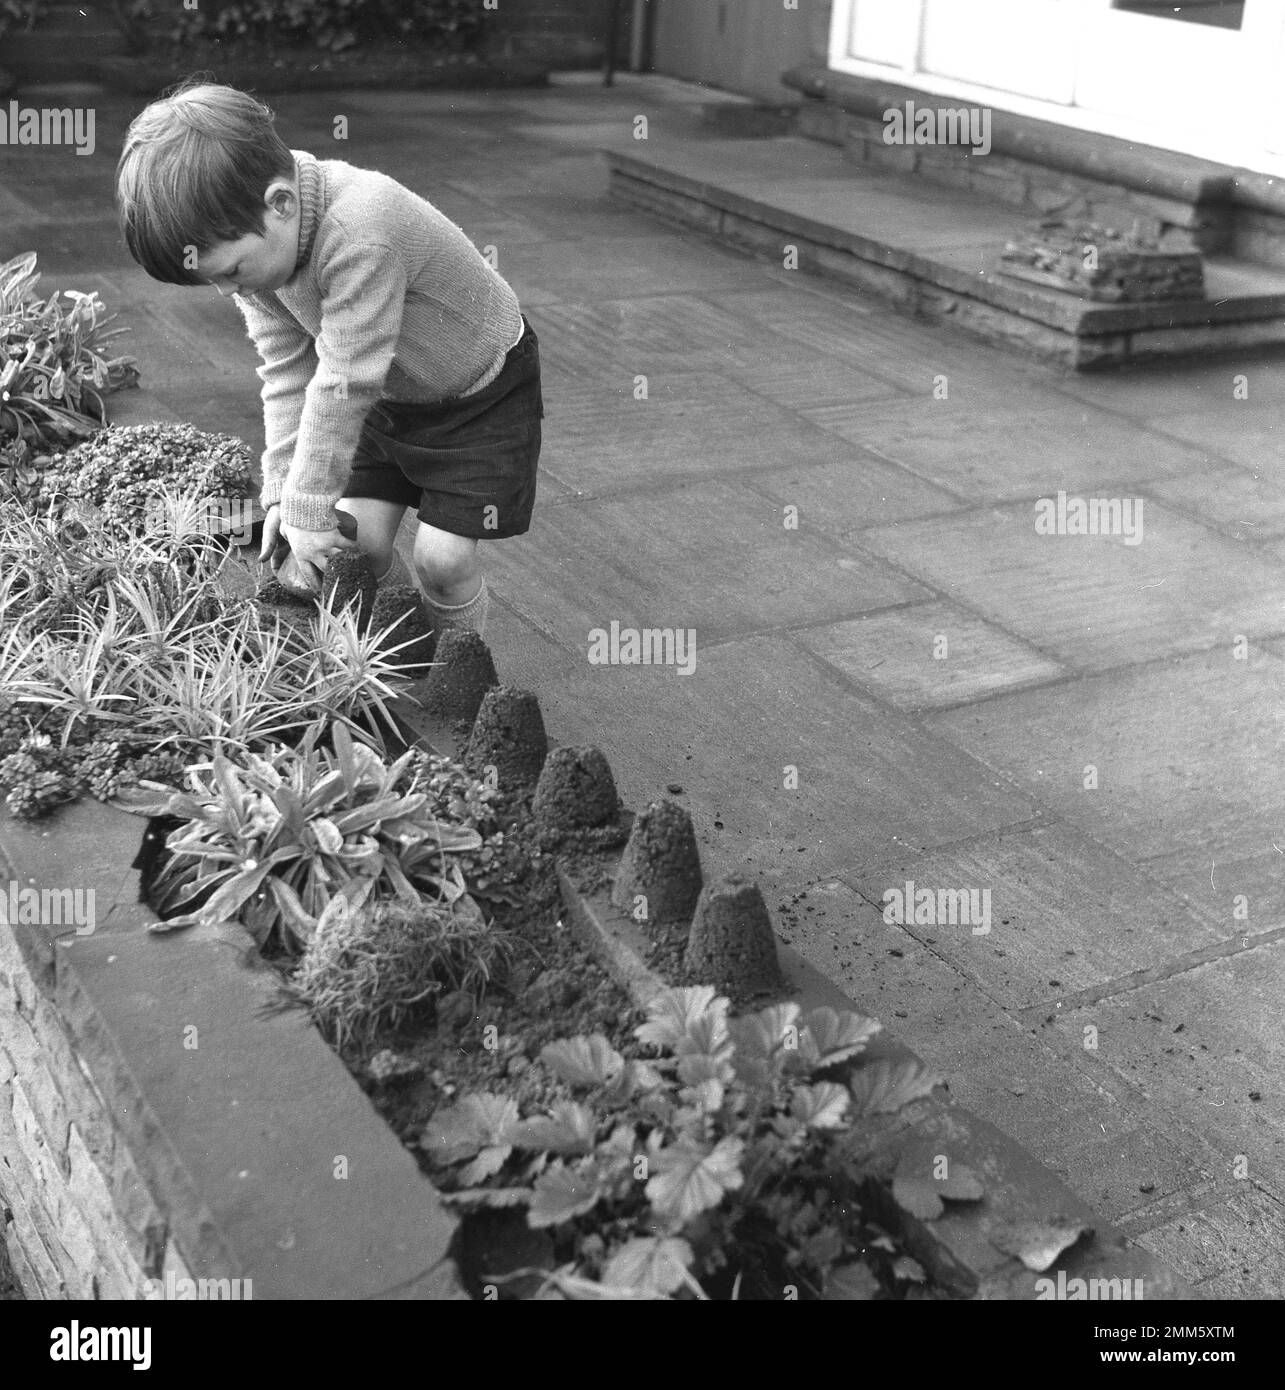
pixel 389 299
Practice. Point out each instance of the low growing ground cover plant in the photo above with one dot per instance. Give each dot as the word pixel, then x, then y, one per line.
pixel 721 1158
pixel 154 477
pixel 55 365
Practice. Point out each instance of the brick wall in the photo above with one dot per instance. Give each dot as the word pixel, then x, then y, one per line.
pixel 79 1221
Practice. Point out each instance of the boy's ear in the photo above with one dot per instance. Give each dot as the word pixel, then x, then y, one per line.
pixel 281 198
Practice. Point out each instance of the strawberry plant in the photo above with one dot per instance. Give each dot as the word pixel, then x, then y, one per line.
pixel 720 1158
pixel 54 368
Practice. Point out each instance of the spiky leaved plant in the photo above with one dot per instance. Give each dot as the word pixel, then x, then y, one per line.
pixel 271 839
pixel 130 640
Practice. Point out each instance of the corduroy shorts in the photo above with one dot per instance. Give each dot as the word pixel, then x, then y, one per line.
pixel 467 465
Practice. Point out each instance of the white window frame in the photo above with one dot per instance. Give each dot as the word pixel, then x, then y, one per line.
pixel 1261 147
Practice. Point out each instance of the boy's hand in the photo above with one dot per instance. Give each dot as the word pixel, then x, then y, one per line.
pixel 311 550
pixel 273 548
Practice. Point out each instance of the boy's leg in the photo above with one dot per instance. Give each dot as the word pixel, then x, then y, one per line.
pixel 450 570
pixel 377 526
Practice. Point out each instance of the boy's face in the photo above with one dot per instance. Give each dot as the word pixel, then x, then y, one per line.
pixel 253 263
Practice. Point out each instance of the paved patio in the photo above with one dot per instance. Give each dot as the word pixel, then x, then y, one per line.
pixel 1091 747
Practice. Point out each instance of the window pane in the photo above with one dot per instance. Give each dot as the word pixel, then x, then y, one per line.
pixel 1223 14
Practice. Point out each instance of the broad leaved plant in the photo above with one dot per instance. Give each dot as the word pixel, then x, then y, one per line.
pixel 662 1171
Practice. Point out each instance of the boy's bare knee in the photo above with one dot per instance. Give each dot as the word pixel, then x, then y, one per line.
pixel 445 563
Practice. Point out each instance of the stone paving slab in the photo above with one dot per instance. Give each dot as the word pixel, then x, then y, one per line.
pixel 1228 1051
pixel 396 103
pixel 1244 505
pixel 966 445
pixel 727 733
pixel 1109 1141
pixel 1153 392
pixel 842 325
pixel 572 217
pixel 1218 1248
pixel 65 246
pixel 656 335
pixel 895 654
pixel 620 267
pixel 1233 430
pixel 600 439
pixel 1066 914
pixel 819 388
pixel 851 494
pixel 709 556
pixel 1186 752
pixel 1094 602
pixel 15 209
pixel 579 175
pixel 1214 886
pixel 136 408
pixel 76 189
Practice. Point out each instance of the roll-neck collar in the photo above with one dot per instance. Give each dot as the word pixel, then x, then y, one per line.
pixel 310 199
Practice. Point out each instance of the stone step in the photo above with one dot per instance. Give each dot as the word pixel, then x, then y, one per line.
pixel 931 250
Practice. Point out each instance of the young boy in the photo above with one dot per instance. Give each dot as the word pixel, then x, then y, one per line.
pixel 397 368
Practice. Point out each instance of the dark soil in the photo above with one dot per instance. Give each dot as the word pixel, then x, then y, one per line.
pixel 508 735
pixel 465 670
pixel 552 990
pixel 275 594
pixel 576 789
pixel 662 864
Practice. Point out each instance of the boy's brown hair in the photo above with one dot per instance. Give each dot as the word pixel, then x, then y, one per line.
pixel 192 173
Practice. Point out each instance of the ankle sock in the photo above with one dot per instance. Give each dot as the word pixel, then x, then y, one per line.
pixel 396 574
pixel 471 614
